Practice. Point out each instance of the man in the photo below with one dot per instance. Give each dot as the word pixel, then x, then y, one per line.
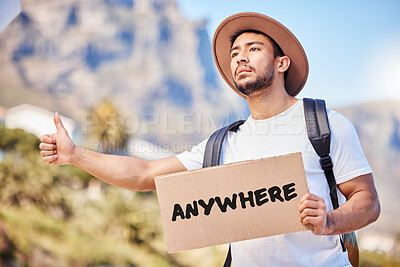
pixel 265 64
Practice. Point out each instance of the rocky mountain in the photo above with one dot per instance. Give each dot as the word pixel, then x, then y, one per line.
pixel 378 126
pixel 156 65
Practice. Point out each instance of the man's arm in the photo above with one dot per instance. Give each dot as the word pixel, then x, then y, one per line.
pixel 361 208
pixel 126 172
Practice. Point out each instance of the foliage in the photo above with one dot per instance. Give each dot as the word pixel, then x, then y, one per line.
pixel 62 216
pixel 377 259
pixel 18 140
pixel 25 180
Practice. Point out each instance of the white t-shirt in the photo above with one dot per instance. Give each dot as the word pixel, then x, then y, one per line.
pixel 279 135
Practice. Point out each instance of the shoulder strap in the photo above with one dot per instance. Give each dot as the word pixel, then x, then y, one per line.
pixel 319 135
pixel 212 152
pixel 212 155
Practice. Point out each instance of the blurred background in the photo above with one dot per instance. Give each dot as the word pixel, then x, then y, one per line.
pixel 137 77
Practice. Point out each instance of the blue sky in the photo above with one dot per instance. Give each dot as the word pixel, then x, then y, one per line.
pixel 353 47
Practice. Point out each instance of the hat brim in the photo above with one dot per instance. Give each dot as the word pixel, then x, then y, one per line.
pixel 297 73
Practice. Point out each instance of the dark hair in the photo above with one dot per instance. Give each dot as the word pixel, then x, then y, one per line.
pixel 277 50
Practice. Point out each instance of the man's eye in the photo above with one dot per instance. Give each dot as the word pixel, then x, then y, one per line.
pixel 254 49
pixel 234 55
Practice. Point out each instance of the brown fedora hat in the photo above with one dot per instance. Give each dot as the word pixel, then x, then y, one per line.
pixel 297 73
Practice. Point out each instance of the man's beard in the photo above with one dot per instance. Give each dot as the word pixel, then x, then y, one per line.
pixel 262 82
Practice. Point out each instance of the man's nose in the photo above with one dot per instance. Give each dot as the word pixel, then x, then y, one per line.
pixel 242 57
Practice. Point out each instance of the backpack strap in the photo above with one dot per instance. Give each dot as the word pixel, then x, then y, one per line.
pixel 212 153
pixel 228 260
pixel 319 135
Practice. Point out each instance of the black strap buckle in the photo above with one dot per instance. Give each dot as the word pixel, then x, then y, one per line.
pixel 326 162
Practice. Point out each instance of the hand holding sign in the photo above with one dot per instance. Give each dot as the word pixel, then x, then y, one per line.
pixel 57 148
pixel 233 202
pixel 312 210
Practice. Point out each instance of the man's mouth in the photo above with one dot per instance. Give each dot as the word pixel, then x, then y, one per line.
pixel 242 71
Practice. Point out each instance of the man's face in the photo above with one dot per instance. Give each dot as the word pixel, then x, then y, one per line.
pixel 252 63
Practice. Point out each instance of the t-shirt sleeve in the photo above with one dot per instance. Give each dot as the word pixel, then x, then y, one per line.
pixel 347 155
pixel 193 159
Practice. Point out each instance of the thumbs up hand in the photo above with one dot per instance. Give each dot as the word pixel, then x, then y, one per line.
pixel 57 148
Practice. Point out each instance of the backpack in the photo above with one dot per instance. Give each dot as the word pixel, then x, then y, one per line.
pixel 319 135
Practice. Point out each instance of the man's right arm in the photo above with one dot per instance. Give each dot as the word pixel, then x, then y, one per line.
pixel 122 171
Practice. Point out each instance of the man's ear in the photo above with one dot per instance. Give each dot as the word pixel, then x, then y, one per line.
pixel 284 63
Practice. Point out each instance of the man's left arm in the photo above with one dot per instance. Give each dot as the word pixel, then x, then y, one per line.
pixel 361 208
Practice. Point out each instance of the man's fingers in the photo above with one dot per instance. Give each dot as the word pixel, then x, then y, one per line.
pixel 314 220
pixel 49 159
pixel 58 122
pixel 309 212
pixel 45 146
pixel 312 211
pixel 45 153
pixel 47 138
pixel 309 204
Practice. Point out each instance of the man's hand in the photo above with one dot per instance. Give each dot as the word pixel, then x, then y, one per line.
pixel 312 210
pixel 57 148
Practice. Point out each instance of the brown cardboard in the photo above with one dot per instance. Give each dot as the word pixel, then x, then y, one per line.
pixel 266 219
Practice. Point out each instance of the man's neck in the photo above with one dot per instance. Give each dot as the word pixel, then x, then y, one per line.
pixel 269 103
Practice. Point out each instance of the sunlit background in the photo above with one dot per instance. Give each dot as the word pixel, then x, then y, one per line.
pixel 137 78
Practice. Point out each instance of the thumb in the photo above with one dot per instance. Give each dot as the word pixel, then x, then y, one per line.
pixel 58 123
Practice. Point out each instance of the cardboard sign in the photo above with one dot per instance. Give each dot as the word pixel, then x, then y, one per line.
pixel 233 202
